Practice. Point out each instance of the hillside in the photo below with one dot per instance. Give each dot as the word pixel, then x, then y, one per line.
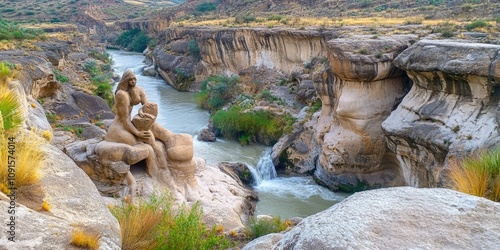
pixel 429 9
pixel 65 10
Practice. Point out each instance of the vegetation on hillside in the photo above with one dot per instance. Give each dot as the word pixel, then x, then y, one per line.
pixel 157 224
pixel 134 39
pixel 12 31
pixel 477 175
pixel 240 121
pixel 100 75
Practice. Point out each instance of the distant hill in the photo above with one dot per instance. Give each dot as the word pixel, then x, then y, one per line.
pixel 429 9
pixel 65 10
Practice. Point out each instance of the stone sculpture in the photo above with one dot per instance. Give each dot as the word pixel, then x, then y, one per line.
pixel 168 156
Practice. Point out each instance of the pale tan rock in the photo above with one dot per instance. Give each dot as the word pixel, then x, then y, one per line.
pixel 403 218
pixel 451 111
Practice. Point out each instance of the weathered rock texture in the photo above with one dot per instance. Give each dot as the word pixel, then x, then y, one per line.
pixel 406 217
pixel 230 51
pixel 451 110
pixel 344 144
pixel 75 204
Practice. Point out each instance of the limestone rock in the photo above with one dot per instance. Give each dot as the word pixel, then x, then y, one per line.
pixel 265 242
pixel 451 110
pixel 406 217
pixel 238 171
pixel 67 187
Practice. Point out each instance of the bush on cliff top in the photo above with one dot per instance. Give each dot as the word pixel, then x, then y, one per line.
pixel 155 224
pixel 217 91
pixel 478 175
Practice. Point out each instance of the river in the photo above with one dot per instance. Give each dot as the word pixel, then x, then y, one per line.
pixel 278 195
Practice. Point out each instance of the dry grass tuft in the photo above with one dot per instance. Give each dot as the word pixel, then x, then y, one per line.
pixel 478 175
pixel 87 240
pixel 47 135
pixel 46 206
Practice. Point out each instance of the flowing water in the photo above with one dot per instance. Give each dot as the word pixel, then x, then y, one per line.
pixel 279 195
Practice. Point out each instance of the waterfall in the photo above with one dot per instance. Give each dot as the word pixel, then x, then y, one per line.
pixel 265 168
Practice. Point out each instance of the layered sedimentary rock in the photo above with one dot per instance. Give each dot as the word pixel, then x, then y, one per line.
pixel 230 51
pixel 451 110
pixel 344 145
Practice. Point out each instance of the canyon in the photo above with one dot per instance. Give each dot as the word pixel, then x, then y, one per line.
pixel 394 109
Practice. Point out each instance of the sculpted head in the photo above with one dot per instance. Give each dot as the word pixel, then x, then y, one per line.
pixel 128 81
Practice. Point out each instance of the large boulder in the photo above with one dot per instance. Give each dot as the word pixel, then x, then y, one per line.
pixel 405 218
pixel 74 203
pixel 451 110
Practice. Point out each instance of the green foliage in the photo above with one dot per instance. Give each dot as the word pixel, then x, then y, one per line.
pixel 101 79
pixel 101 55
pixel 60 77
pixel 479 23
pixel 247 126
pixel 245 19
pixel 134 39
pixel 257 228
pixel 446 29
pixel 5 72
pixel 275 17
pixel 155 224
pixel 205 7
pixel 364 51
pixel 194 49
pixel 73 129
pixel 365 3
pixel 266 95
pixel 12 31
pixel 315 106
pixel 10 111
pixel 222 89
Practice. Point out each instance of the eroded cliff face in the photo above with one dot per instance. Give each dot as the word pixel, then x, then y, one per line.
pixel 364 89
pixel 451 110
pixel 230 51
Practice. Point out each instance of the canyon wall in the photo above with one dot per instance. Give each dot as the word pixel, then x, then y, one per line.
pixel 452 109
pixel 230 51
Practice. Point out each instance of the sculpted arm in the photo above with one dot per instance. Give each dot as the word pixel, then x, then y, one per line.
pixel 123 114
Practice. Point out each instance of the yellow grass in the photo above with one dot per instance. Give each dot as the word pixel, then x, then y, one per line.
pixel 46 206
pixel 472 180
pixel 87 240
pixel 47 135
pixel 138 225
pixel 316 21
pixel 477 175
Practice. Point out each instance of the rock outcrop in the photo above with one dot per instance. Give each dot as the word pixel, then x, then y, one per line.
pixel 75 204
pixel 230 51
pixel 344 145
pixel 406 217
pixel 451 110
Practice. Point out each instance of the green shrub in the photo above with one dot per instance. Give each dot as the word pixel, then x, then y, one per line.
pixel 194 49
pixel 205 7
pixel 60 77
pixel 257 228
pixel 479 23
pixel 247 126
pixel 222 90
pixel 9 31
pixel 266 95
pixel 274 17
pixel 155 224
pixel 133 39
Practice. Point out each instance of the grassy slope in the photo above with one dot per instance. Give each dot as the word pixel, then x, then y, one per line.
pixel 63 10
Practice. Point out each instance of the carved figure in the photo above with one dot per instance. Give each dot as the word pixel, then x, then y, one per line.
pixel 169 158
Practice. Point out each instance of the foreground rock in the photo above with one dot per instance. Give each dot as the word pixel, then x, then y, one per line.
pixel 451 110
pixel 74 203
pixel 405 217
